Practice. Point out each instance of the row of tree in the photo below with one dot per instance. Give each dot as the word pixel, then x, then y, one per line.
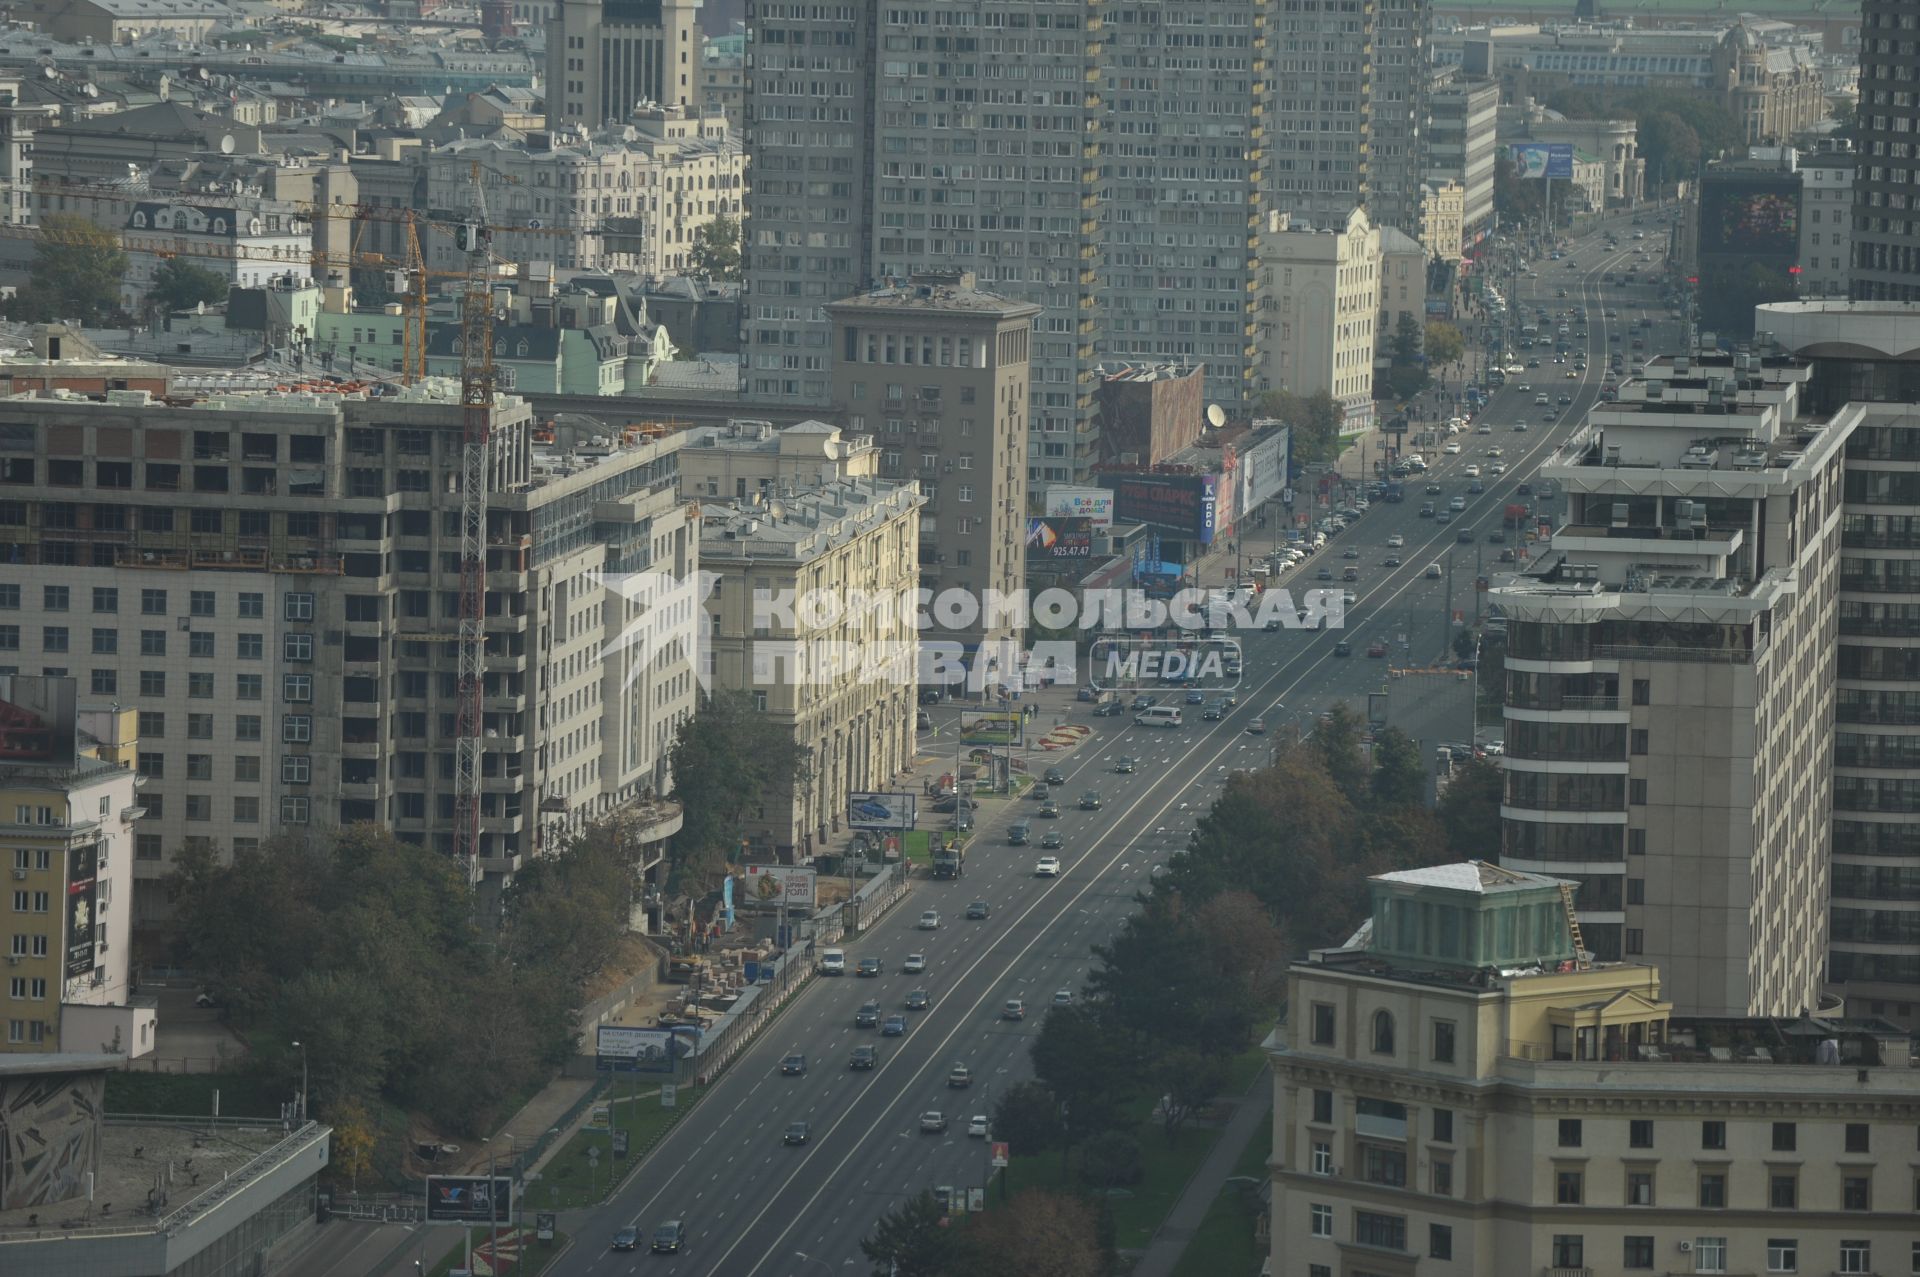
pixel 1278 865
pixel 370 952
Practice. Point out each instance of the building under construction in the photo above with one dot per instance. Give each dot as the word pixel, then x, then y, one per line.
pixel 273 580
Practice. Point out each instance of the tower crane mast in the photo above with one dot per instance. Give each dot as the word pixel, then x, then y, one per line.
pixel 476 406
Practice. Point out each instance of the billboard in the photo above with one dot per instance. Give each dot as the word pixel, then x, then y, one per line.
pixel 880 811
pixel 1094 504
pixel 992 729
pixel 1183 504
pixel 83 867
pixel 624 1049
pixel 1543 159
pixel 1263 471
pixel 1059 538
pixel 469 1199
pixel 770 886
pixel 1751 219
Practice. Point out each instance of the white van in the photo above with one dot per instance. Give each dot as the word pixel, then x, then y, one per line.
pixel 1158 716
pixel 833 962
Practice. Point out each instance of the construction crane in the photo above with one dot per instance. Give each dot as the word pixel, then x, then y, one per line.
pixel 476 407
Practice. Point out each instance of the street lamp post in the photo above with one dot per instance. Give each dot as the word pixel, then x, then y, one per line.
pixel 805 1258
pixel 303 1082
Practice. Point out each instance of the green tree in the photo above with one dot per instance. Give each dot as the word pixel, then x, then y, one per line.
pixel 1670 147
pixel 1027 1117
pixel 1336 739
pixel 1405 342
pixel 1445 344
pixel 1314 419
pixel 353 1142
pixel 728 760
pixel 911 1241
pixel 1038 1234
pixel 1465 644
pixel 76 274
pixel 1399 776
pixel 1407 380
pixel 1084 1063
pixel 179 285
pixel 716 251
pixel 1469 810
pixel 1187 1082
pixel 1157 983
pixel 566 913
pixel 1112 1159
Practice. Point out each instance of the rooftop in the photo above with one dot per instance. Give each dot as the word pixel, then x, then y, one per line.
pixel 804 524
pixel 944 292
pixel 1477 876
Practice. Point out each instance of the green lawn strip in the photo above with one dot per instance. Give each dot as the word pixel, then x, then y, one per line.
pixel 1224 1243
pixel 913 846
pixel 537 1257
pixel 570 1180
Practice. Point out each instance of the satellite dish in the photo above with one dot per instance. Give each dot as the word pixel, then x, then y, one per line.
pixel 1216 415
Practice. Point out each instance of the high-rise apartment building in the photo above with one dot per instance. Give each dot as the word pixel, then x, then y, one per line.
pixel 1322 68
pixel 272 582
pixel 1826 221
pixel 1462 115
pixel 939 372
pixel 911 140
pixel 1457 1092
pixel 605 57
pixel 1182 170
pixel 1397 113
pixel 1670 672
pixel 1886 226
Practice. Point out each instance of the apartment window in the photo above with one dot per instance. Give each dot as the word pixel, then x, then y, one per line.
pixel 199 727
pixel 200 602
pixel 1713 1190
pixel 296 729
pixel 1856 1192
pixel 199 807
pixel 1783 1190
pixel 1783 1255
pixel 55 598
pixel 147 847
pixel 1322 1024
pixel 200 645
pixel 246 727
pixel 248 687
pixel 1321 1217
pixel 298 607
pixel 1857 1138
pixel 1636 891
pixel 199 766
pixel 297 688
pixel 1442 1177
pixel 297 647
pixel 1443 1126
pixel 153 725
pixel 1569 1250
pixel 1439 1241
pixel 1638 737
pixel 1323 1107
pixel 1634 939
pixel 1443 1031
pixel 1642 691
pixel 151 765
pixel 53 638
pixel 1636 1252
pixel 200 685
pixel 252 607
pixel 251 647
pixel 153 602
pixel 1640 1133
pixel 1568 1188
pixel 246 768
pixel 1785 1137
pixel 296 769
pixel 1389 1232
pixel 295 810
pixel 1713 1135
pixel 153 642
pixel 9 638
pixel 1382 1033
pixel 106 642
pixel 246 811
pixel 1637 792
pixel 1569 1132
pixel 1322 1158
pixel 153 682
pixel 1639 1188
pixel 1856 1257
pixel 106 598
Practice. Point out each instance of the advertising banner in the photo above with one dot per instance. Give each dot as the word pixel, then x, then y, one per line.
pixel 774 886
pixel 1183 504
pixel 1094 504
pixel 992 729
pixel 468 1199
pixel 1059 538
pixel 628 1049
pixel 1263 471
pixel 1751 219
pixel 83 865
pixel 1543 159
pixel 880 811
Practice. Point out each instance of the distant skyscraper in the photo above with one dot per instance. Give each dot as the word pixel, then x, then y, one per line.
pixel 1886 229
pixel 1320 55
pixel 1396 117
pixel 604 57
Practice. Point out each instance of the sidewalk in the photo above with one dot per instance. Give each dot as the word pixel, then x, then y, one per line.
pixel 1170 1242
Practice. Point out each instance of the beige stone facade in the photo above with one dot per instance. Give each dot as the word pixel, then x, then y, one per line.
pixel 1320 297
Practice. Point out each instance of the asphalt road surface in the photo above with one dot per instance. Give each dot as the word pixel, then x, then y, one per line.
pixel 756 1207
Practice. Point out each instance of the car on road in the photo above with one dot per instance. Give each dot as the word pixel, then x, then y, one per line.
pixel 1090 801
pixel 797 1133
pixel 977 1126
pixel 1496 537
pixel 1434 489
pixel 1063 997
pixel 1444 516
pixel 1047 867
pixel 1055 776
pixel 1497 469
pixel 1457 504
pixel 918 1000
pixel 1395 541
pixel 793 1065
pixel 1013 1009
pixel 1143 702
pixel 976 911
pixel 1507 555
pixel 1464 536
pixel 1217 709
pixel 669 1237
pixel 869 968
pixel 1472 472
pixel 1391 561
pixel 1519 427
pixel 1258 727
pixel 1050 809
pixel 868 1016
pixel 627 1239
pixel 1051 839
pixel 1524 490
pixel 1123 765
pixel 915 963
pixel 895 1026
pixel 1040 791
pixel 1433 571
pixel 1426 511
pixel 1107 709
pixel 1351 552
pixel 1565 400
pixel 1324 574
pixel 1483 429
pixel 933 1122
pixel 959 1077
pixel 1496 453
pixel 1196 697
pixel 1451 449
pixel 1343 648
pixel 929 920
pixel 1376 649
pixel 863 1058
pixel 1476 487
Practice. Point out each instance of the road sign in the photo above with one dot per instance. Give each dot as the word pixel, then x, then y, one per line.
pixel 667 1095
pixel 976 1199
pixel 602 1118
pixel 619 1143
pixel 543 1224
pixel 999 1154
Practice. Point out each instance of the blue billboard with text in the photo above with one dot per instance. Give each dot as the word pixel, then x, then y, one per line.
pixel 1543 159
